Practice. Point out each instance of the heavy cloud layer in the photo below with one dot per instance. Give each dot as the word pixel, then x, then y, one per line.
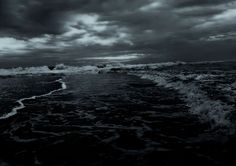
pixel 200 29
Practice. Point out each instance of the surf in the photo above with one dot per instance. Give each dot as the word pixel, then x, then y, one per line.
pixel 21 104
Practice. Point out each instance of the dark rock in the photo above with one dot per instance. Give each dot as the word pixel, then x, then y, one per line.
pixel 51 67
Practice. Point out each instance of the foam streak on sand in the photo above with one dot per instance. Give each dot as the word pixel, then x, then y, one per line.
pixel 21 101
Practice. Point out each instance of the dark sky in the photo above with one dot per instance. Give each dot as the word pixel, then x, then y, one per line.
pixel 171 29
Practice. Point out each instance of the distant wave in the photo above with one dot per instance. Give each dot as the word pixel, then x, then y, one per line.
pixel 58 69
pixel 64 69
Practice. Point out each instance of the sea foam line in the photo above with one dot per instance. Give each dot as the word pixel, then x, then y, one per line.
pixel 21 101
pixel 90 69
pixel 214 111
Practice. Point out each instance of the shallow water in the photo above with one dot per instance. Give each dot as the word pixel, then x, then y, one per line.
pixel 171 113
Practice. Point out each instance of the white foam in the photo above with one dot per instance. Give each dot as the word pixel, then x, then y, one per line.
pixel 199 104
pixel 229 91
pixel 21 101
pixel 64 69
pixel 59 69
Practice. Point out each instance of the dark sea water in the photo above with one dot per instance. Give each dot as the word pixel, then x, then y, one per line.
pixel 119 114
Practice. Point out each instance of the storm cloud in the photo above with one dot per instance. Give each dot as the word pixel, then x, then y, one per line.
pixel 183 29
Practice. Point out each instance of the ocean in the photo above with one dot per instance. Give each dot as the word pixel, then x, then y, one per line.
pixel 118 114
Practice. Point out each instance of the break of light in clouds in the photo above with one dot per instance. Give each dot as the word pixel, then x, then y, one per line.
pixel 80 30
pixel 220 37
pixel 119 58
pixel 163 26
pixel 86 29
pixel 152 6
pixel 227 17
pixel 10 45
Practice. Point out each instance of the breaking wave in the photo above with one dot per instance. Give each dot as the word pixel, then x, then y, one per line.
pixel 58 69
pixel 215 111
pixel 64 69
